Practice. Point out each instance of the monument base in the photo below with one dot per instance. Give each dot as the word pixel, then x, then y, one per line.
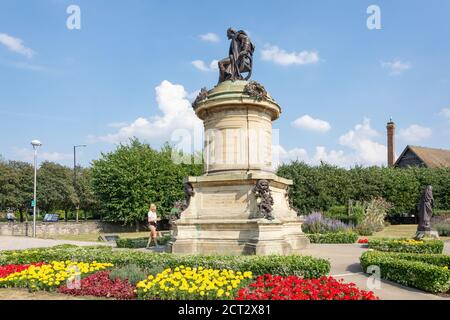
pixel 426 234
pixel 222 218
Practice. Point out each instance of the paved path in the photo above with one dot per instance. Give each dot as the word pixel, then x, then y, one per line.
pixel 19 243
pixel 344 259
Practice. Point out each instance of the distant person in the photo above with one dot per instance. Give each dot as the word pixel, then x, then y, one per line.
pixel 10 216
pixel 152 219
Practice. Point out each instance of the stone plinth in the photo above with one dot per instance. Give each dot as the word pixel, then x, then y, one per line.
pixel 221 218
pixel 223 215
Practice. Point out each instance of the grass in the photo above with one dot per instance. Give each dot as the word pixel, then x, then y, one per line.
pixel 400 231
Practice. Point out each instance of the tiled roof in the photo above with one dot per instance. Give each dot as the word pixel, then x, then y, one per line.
pixel 433 158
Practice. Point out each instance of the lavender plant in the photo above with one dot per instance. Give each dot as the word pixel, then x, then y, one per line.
pixel 316 223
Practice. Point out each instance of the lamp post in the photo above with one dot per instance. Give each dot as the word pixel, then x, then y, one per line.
pixel 36 144
pixel 75 172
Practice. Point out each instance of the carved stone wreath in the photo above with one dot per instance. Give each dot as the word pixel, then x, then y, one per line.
pixel 256 90
pixel 264 196
pixel 203 94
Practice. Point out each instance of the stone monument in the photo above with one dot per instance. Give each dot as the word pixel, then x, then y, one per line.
pixel 239 205
pixel 425 212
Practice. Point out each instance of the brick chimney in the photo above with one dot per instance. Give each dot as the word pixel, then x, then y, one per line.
pixel 390 143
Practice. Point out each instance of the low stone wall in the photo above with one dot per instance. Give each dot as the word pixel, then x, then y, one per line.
pixel 48 229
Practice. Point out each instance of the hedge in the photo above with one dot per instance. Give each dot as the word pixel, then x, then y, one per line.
pixel 318 188
pixel 335 237
pixel 401 245
pixel 304 266
pixel 441 260
pixel 411 273
pixel 139 242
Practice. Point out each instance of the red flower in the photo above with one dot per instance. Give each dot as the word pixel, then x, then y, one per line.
pixel 364 240
pixel 270 287
pixel 100 285
pixel 6 270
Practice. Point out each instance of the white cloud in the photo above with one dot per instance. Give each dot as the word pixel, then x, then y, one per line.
pixel 117 124
pixel 201 65
pixel 15 45
pixel 396 67
pixel 282 57
pixel 364 150
pixel 415 133
pixel 210 37
pixel 177 114
pixel 27 154
pixel 445 112
pixel 308 123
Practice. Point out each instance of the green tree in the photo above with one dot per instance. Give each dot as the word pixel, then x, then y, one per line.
pixel 86 199
pixel 55 188
pixel 127 180
pixel 16 185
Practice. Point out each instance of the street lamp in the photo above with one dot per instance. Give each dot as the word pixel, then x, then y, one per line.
pixel 36 144
pixel 75 172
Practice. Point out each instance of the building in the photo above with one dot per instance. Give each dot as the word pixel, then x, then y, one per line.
pixel 414 155
pixel 423 157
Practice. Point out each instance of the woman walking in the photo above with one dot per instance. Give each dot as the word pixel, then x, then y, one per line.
pixel 152 218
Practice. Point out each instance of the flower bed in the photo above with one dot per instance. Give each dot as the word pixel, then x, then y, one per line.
pixel 49 276
pixel 407 245
pixel 185 283
pixel 13 268
pixel 426 272
pixel 335 237
pixel 363 241
pixel 304 266
pixel 270 287
pixel 100 285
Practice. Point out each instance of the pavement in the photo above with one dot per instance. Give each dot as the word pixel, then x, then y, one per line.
pixel 344 259
pixel 20 243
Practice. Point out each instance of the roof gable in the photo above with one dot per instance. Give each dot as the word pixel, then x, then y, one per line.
pixel 431 157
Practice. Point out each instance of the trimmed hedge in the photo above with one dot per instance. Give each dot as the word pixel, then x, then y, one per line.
pixel 412 273
pixel 335 237
pixel 139 242
pixel 400 245
pixel 441 260
pixel 304 266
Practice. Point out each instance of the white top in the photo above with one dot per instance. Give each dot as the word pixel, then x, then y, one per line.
pixel 152 216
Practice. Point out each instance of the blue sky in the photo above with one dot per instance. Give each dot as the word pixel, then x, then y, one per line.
pixel 134 66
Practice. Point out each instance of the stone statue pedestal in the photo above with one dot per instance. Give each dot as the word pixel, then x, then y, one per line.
pixel 223 215
pixel 426 235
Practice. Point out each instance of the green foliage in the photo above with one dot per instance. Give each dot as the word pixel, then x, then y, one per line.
pixel 406 245
pixel 132 273
pixel 305 266
pixel 424 272
pixel 56 189
pixel 321 187
pixel 127 180
pixel 442 260
pixel 16 185
pixel 335 237
pixel 443 228
pixel 139 242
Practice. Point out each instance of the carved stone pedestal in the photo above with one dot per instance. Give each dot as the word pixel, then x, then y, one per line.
pixel 225 214
pixel 222 218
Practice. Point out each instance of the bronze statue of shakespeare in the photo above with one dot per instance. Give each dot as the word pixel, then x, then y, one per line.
pixel 240 57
